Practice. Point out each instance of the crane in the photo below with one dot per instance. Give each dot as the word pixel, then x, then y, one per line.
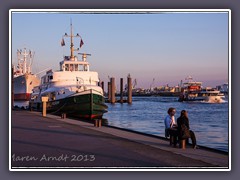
pixel 151 85
pixel 134 83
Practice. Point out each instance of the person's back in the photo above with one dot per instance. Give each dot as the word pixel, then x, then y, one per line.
pixel 184 131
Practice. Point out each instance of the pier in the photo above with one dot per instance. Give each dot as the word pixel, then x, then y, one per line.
pixel 52 141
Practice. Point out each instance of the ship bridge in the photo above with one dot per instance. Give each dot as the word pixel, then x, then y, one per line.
pixel 72 64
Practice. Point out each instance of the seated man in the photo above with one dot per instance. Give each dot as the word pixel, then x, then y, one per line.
pixel 171 126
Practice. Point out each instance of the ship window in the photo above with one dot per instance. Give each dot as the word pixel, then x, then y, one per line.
pixel 50 77
pixel 66 67
pixel 76 67
pixel 80 68
pixel 71 67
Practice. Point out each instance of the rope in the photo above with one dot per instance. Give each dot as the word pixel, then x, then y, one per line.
pixel 58 109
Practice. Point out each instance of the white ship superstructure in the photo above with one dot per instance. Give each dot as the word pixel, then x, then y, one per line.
pixel 23 79
pixel 73 89
pixel 193 91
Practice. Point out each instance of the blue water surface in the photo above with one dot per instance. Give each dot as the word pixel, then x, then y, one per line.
pixel 209 121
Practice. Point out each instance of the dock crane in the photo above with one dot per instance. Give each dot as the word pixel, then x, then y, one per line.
pixel 134 83
pixel 151 85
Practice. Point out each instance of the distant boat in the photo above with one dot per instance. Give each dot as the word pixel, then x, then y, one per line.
pixel 73 89
pixel 193 91
pixel 23 79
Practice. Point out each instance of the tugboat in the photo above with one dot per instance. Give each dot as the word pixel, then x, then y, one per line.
pixel 73 90
pixel 193 91
pixel 23 79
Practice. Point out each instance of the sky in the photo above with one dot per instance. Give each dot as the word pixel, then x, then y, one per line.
pixel 164 46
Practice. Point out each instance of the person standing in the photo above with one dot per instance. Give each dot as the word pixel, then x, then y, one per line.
pixel 170 125
pixel 184 131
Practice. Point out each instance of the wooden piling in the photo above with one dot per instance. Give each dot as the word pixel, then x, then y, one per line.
pixel 109 91
pixel 113 89
pixel 121 90
pixel 129 83
pixel 102 86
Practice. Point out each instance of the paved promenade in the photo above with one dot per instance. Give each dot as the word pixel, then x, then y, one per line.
pixel 53 142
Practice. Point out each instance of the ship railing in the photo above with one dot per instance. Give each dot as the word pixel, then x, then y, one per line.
pixel 90 90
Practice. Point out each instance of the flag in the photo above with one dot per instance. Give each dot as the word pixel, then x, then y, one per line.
pixel 62 42
pixel 81 43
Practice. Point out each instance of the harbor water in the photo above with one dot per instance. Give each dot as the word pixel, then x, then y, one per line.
pixel 209 121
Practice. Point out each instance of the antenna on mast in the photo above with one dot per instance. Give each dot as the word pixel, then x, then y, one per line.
pixel 84 56
pixel 72 57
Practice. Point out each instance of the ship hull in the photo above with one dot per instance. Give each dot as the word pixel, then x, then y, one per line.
pixel 23 85
pixel 85 106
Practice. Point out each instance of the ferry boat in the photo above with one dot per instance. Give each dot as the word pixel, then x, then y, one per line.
pixel 73 89
pixel 23 79
pixel 193 91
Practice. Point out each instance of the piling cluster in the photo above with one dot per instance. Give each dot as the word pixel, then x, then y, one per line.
pixel 112 91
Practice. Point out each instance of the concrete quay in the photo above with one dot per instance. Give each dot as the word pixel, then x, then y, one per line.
pixel 52 142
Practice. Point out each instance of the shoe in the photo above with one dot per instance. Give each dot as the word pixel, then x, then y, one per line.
pixel 195 147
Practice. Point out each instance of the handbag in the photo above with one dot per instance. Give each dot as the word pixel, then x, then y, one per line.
pixel 185 132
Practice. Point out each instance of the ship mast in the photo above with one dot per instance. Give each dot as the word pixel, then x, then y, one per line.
pixel 72 45
pixel 24 60
pixel 72 57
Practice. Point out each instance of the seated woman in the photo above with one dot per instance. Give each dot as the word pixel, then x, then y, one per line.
pixel 184 131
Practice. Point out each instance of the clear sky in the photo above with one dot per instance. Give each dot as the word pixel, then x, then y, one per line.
pixel 165 46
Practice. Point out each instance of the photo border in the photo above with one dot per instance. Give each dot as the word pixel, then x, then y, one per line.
pixel 120 11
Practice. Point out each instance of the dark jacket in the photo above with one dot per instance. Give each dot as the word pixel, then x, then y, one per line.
pixel 180 122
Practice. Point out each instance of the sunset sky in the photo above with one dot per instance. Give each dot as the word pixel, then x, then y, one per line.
pixel 165 46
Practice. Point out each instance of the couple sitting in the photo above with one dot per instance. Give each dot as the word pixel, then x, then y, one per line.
pixel 180 130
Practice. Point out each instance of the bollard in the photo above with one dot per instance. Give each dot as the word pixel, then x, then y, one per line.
pixel 63 115
pixel 129 80
pixel 44 101
pixel 95 122
pixel 98 122
pixel 112 90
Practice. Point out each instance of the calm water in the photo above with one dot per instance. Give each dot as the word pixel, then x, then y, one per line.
pixel 209 121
